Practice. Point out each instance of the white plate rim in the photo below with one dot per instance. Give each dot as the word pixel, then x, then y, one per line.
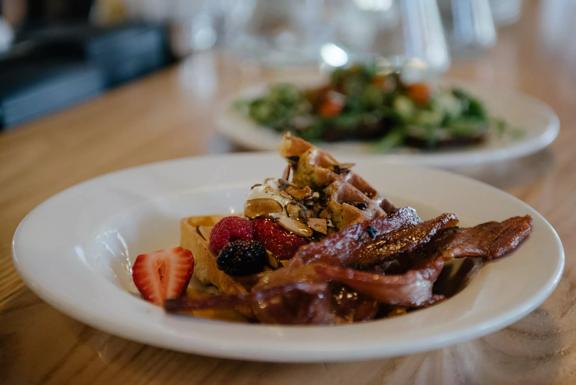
pixel 294 354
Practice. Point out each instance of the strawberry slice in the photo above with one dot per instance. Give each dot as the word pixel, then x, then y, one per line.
pixel 163 274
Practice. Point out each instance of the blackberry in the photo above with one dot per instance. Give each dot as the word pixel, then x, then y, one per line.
pixel 242 258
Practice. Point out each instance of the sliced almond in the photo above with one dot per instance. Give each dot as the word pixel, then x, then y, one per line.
pixel 284 194
pixel 325 214
pixel 295 210
pixel 295 226
pixel 261 206
pixel 299 193
pixel 318 224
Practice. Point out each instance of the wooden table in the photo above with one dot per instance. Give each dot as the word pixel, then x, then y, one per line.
pixel 170 115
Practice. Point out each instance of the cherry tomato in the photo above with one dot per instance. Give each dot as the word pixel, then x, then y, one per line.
pixel 332 105
pixel 419 93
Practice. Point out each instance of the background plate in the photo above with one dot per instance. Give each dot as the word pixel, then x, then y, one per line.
pixel 537 122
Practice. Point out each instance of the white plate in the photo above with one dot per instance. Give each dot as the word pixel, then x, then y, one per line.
pixel 75 249
pixel 538 123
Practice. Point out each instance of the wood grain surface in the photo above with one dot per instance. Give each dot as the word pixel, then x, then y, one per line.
pixel 170 115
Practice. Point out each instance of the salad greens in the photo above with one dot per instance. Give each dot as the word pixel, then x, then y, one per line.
pixel 361 103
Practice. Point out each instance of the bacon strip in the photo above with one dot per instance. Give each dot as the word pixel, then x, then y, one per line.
pixel 351 306
pixel 298 303
pixel 490 240
pixel 301 293
pixel 336 248
pixel 413 288
pixel 397 242
pixel 295 303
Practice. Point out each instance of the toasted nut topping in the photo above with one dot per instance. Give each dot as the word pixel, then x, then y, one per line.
pixel 295 226
pixel 261 207
pixel 325 214
pixel 299 193
pixel 285 195
pixel 318 224
pixel 295 211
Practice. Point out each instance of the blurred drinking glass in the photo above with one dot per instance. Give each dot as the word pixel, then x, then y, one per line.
pixel 339 32
pixel 469 25
pixel 506 12
pixel 403 32
pixel 279 32
pixel 193 23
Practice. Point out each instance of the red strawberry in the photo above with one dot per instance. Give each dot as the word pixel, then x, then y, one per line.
pixel 230 229
pixel 163 274
pixel 280 242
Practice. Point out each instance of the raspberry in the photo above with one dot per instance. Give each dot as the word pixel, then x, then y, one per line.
pixel 280 242
pixel 242 258
pixel 230 229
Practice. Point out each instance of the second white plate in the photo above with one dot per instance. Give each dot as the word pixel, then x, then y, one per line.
pixel 536 121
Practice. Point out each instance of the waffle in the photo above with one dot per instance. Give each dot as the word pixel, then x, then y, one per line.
pixel 349 198
pixel 194 236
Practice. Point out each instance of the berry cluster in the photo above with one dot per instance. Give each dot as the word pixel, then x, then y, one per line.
pixel 242 245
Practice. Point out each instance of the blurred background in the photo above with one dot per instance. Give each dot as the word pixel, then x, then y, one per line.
pixel 57 53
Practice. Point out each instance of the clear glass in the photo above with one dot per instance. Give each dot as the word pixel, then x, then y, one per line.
pixel 401 31
pixel 506 12
pixel 469 25
pixel 279 32
pixel 338 32
pixel 193 23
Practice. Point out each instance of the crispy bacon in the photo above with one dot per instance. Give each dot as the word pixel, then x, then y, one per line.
pixel 294 303
pixel 336 248
pixel 490 240
pixel 298 303
pixel 413 288
pixel 405 256
pixel 351 306
pixel 296 271
pixel 397 242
